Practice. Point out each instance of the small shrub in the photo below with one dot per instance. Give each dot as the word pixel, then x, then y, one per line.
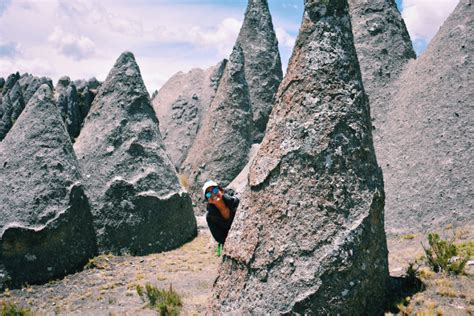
pixel 443 256
pixel 408 236
pixel 167 302
pixel 100 262
pixel 11 309
pixel 184 181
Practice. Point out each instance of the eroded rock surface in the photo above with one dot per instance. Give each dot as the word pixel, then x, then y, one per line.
pixel 263 70
pixel 45 213
pixel 383 47
pixel 221 148
pixel 425 145
pixel 13 104
pixel 181 105
pixel 310 229
pixel 138 204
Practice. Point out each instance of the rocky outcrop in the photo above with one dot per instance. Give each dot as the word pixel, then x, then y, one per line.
pixel 138 204
pixel 425 145
pixel 263 70
pixel 383 47
pixel 67 100
pixel 12 106
pixel 86 90
pixel 309 230
pixel 221 148
pixel 29 84
pixel 10 82
pixel 45 213
pixel 181 104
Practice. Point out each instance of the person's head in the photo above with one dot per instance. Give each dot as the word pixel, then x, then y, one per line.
pixel 212 192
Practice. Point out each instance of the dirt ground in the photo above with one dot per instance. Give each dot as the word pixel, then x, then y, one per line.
pixel 108 287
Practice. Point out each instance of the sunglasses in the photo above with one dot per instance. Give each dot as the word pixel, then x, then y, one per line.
pixel 214 190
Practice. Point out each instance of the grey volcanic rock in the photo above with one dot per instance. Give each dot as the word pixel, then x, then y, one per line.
pixel 46 224
pixel 308 237
pixel 263 70
pixel 425 147
pixel 2 83
pixel 10 82
pixel 68 104
pixel 29 85
pixel 383 47
pixel 221 148
pixel 74 100
pixel 86 90
pixel 12 106
pixel 181 105
pixel 138 204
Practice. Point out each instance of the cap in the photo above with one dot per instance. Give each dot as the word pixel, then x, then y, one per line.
pixel 209 183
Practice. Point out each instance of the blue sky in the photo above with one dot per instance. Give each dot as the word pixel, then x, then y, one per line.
pixel 83 38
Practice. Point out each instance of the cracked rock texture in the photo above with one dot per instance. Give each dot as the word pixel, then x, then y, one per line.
pixel 221 148
pixel 181 105
pixel 310 228
pixel 45 213
pixel 263 70
pixel 137 202
pixel 425 144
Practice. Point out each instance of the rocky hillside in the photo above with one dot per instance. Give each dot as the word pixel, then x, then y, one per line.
pixel 424 144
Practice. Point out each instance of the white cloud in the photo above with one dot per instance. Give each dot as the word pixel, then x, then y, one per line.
pixel 74 46
pixel 423 18
pixel 284 38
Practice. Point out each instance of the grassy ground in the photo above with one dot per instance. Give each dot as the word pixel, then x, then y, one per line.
pixel 109 284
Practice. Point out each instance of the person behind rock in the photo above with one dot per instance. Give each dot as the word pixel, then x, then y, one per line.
pixel 221 208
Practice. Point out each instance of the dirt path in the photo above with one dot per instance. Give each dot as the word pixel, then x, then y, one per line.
pixel 109 287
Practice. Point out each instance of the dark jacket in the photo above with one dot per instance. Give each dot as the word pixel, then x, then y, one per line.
pixel 218 225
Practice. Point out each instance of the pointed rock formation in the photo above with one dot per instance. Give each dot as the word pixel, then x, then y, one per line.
pixel 12 106
pixel 29 84
pixel 425 145
pixel 68 104
pixel 263 70
pixel 46 224
pixel 138 204
pixel 181 104
pixel 383 47
pixel 10 82
pixel 310 230
pixel 221 148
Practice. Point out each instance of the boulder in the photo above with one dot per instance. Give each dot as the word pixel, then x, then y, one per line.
pixel 137 202
pixel 263 70
pixel 308 237
pixel 181 105
pixel 425 144
pixel 221 148
pixel 46 224
pixel 383 47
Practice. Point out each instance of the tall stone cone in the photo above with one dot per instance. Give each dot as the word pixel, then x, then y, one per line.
pixel 309 236
pixel 263 70
pixel 222 145
pixel 384 49
pixel 181 106
pixel 138 204
pixel 425 146
pixel 46 224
